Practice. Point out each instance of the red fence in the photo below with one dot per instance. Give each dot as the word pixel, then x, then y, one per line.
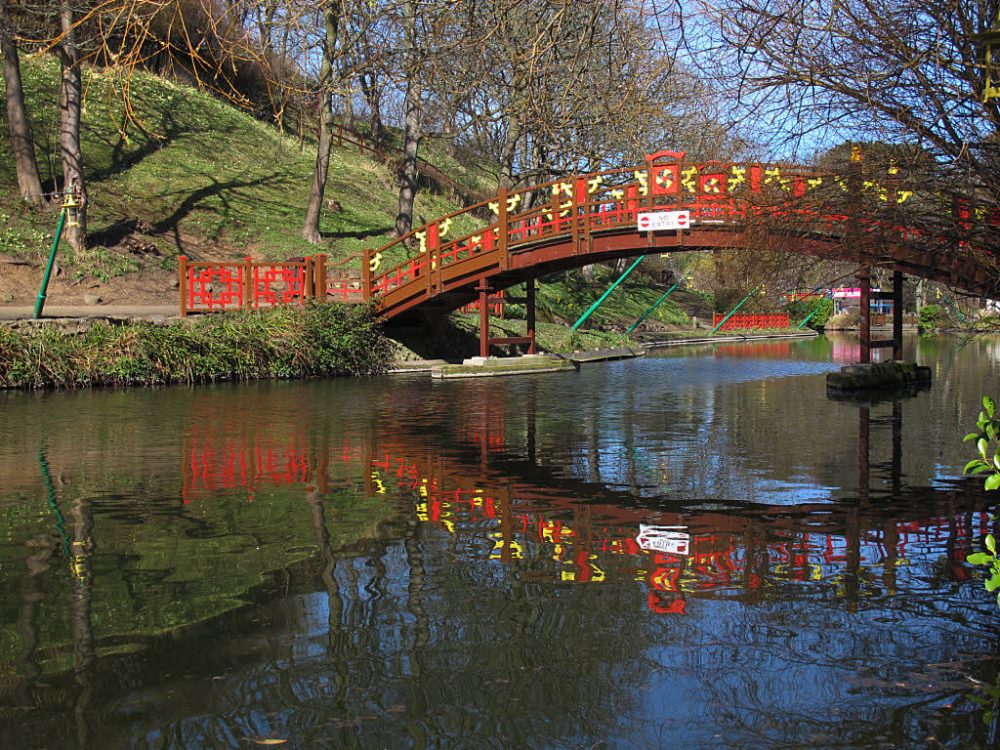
pixel 751 322
pixel 250 285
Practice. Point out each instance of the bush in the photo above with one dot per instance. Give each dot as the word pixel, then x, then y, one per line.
pixel 931 317
pixel 800 309
pixel 987 441
pixel 846 319
pixel 319 340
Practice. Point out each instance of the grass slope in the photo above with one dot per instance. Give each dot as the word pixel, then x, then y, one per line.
pixel 199 176
pixel 204 179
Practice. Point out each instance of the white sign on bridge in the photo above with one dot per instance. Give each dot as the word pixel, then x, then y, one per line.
pixel 661 221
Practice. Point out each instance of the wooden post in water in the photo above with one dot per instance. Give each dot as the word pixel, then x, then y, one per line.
pixel 865 282
pixel 897 315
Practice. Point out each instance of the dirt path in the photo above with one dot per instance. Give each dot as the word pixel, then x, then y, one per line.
pixel 116 312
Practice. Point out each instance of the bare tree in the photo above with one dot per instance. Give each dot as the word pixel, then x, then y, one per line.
pixel 70 113
pixel 412 106
pixel 23 145
pixel 331 16
pixel 810 73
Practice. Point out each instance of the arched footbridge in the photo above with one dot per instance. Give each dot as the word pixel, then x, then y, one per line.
pixel 668 205
pixel 867 216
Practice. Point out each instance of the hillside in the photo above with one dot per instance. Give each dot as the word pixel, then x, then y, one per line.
pixel 198 177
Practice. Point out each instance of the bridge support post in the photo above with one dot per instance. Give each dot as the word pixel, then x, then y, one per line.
pixel 865 283
pixel 484 317
pixel 897 315
pixel 530 315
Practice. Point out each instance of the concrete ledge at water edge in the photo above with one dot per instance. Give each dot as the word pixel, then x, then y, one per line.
pixel 879 375
pixel 604 355
pixel 480 367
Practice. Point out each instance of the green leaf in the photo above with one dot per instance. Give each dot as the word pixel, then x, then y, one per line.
pixel 979 558
pixel 992 482
pixel 991 431
pixel 994 583
pixel 971 436
pixel 990 406
pixel 982 446
pixel 991 543
pixel 980 467
pixel 970 465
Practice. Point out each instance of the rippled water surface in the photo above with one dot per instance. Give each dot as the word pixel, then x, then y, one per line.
pixel 698 549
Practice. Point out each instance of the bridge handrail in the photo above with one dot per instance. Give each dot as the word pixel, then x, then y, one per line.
pixel 584 205
pixel 517 195
pixel 561 189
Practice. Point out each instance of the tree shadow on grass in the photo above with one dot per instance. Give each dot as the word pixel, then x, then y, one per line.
pixel 216 189
pixel 123 160
pixel 357 234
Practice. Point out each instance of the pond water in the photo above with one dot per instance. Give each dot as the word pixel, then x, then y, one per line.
pixel 697 549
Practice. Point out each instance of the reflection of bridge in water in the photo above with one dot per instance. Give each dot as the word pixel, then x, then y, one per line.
pixel 567 530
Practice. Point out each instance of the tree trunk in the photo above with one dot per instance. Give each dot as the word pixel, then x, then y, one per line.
pixel 28 180
pixel 373 95
pixel 70 108
pixel 310 230
pixel 408 173
pixel 411 140
pixel 507 160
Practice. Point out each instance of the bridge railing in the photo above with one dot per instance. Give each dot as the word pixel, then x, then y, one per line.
pixel 607 199
pixel 806 201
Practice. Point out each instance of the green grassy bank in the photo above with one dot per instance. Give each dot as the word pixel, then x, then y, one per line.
pixel 283 343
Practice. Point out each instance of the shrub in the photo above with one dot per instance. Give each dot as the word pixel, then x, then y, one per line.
pixel 931 317
pixel 319 340
pixel 800 309
pixel 846 319
pixel 987 440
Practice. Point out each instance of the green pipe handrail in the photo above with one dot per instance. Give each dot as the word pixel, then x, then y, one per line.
pixel 733 311
pixel 653 306
pixel 600 300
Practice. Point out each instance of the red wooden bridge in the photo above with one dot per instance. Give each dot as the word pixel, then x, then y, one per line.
pixel 874 220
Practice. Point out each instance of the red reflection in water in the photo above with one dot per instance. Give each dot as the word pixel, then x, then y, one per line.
pixel 579 542
pixel 756 350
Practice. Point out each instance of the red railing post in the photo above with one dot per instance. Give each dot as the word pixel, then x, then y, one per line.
pixel 366 274
pixel 319 280
pixel 182 283
pixel 307 280
pixel 248 289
